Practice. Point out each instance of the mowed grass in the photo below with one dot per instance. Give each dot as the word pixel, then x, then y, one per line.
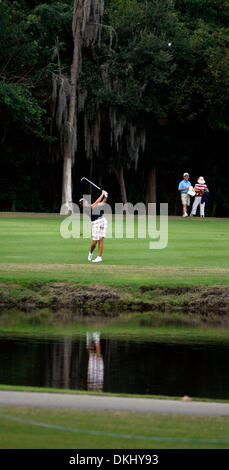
pixel 55 428
pixel 32 248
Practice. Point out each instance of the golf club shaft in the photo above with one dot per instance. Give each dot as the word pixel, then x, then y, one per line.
pixel 91 183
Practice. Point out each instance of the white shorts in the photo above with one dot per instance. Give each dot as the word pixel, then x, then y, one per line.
pixel 99 228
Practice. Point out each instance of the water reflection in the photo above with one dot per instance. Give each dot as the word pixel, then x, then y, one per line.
pixel 95 371
pixel 58 358
pixel 121 365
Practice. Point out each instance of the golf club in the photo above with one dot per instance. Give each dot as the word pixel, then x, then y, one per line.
pixel 84 178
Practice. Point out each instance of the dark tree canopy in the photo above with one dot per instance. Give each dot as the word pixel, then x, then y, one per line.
pixel 152 101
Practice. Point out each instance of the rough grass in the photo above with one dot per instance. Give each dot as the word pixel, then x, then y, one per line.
pixel 100 299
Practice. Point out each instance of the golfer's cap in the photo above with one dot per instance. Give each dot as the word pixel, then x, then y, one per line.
pixel 186 174
pixel 82 200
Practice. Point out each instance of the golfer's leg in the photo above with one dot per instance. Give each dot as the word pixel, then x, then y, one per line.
pixel 100 250
pixel 95 235
pixel 93 245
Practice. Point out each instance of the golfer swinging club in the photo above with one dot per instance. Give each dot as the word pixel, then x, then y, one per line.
pixel 98 224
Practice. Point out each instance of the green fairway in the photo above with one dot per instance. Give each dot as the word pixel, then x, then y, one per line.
pixel 31 248
pixel 36 428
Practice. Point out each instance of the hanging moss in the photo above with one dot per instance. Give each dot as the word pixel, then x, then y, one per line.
pixel 68 98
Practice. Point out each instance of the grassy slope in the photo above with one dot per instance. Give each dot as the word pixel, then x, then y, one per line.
pixel 31 248
pixel 169 431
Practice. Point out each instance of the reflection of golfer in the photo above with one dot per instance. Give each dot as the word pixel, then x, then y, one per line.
pixel 98 224
pixel 183 188
pixel 200 188
pixel 95 371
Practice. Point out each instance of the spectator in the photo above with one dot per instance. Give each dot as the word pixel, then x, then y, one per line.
pixel 199 188
pixel 183 188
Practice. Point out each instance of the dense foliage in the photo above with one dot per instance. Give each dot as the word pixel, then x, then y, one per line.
pixel 157 83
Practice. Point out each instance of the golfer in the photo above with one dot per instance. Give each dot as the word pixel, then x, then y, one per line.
pixel 98 224
pixel 200 188
pixel 183 188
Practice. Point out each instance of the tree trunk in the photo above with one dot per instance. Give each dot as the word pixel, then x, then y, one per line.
pixel 71 123
pixel 150 195
pixel 67 181
pixel 122 185
pixel 85 27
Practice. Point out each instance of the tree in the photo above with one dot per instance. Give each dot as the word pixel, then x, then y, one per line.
pixel 141 112
pixel 26 44
pixel 132 79
pixel 85 30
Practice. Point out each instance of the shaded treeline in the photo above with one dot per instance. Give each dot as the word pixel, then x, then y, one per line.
pixel 150 83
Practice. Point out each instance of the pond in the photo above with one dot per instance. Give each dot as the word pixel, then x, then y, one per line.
pixel 99 362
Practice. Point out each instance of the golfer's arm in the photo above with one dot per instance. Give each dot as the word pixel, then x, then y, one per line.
pixel 97 201
pixel 103 202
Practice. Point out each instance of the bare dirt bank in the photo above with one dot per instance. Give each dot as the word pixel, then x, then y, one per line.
pixel 100 299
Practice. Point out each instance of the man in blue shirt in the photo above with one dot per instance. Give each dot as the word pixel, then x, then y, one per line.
pixel 183 188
